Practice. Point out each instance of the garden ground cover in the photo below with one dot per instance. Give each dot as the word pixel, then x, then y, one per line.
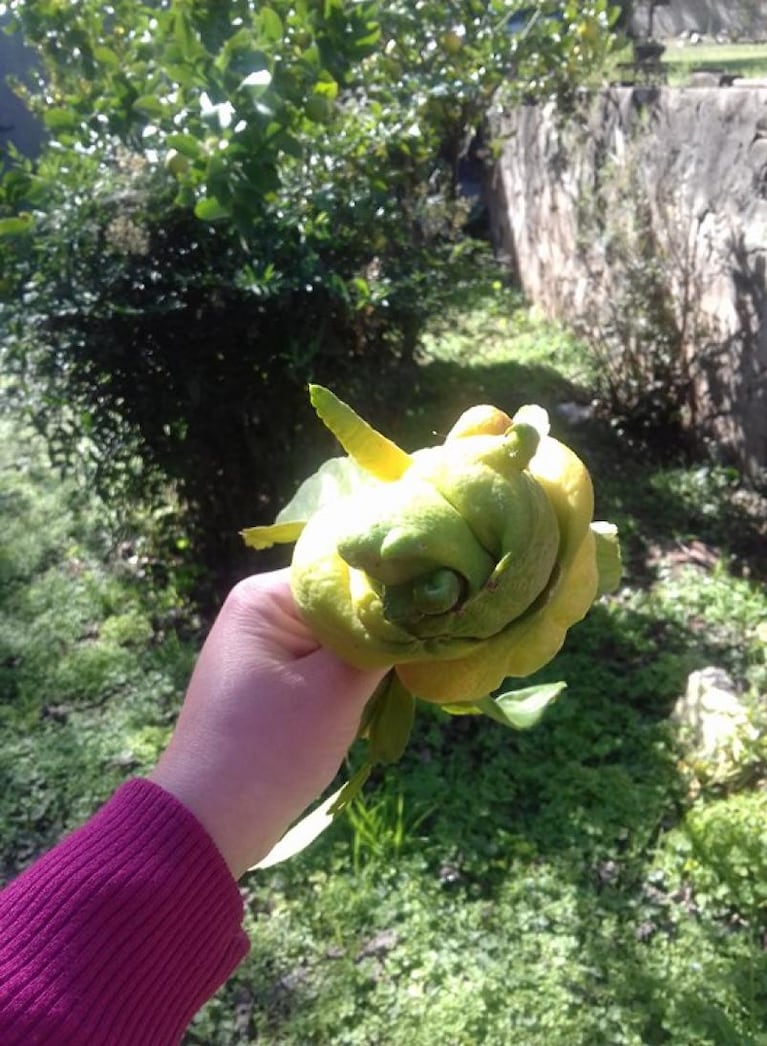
pixel 570 885
pixel 742 60
pixel 682 58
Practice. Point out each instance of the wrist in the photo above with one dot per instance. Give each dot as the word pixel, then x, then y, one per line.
pixel 218 814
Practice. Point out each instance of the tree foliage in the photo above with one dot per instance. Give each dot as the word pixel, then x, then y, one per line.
pixel 241 100
pixel 238 197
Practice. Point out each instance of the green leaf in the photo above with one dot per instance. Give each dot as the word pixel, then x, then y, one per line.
pixel 521 709
pixel 336 478
pixel 16 184
pixel 319 109
pixel 270 24
pixel 301 834
pixel 184 75
pixel 210 210
pixel 609 565
pixel 462 708
pixel 106 56
pixel 148 105
pixel 16 226
pixel 390 720
pixel 366 43
pixel 351 789
pixel 186 144
pixel 234 49
pixel 275 534
pixel 59 119
pixel 309 828
pixel 326 88
pixel 186 39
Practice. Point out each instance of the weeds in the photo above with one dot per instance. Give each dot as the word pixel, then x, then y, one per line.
pixel 647 315
pixel 380 828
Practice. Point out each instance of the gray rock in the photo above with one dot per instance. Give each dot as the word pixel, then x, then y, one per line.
pixel 712 723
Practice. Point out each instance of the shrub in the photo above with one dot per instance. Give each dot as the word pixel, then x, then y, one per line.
pixel 722 855
pixel 239 198
pixel 639 332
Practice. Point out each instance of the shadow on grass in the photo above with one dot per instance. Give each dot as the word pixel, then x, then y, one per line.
pixel 695 513
pixel 597 777
pixel 682 979
pixel 444 389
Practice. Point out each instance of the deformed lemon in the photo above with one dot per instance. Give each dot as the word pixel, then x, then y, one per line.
pixel 459 564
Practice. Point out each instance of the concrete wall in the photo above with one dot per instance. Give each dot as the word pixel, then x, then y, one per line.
pixel 741 19
pixel 693 161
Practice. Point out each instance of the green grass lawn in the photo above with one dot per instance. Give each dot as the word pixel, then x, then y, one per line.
pixel 557 887
pixel 746 60
pixel 95 649
pixel 681 59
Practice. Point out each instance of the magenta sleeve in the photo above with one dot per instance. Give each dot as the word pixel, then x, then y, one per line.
pixel 121 932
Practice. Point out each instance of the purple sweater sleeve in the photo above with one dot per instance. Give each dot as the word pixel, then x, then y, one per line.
pixel 121 933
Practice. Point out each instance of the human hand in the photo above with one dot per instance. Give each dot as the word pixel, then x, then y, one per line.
pixel 265 724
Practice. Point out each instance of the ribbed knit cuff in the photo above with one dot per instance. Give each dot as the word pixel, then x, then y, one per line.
pixel 121 933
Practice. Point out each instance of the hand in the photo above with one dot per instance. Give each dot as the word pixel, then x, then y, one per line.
pixel 265 724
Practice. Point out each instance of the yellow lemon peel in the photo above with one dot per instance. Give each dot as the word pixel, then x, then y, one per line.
pixel 369 448
pixel 460 564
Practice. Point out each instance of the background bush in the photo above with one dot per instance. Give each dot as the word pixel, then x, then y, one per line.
pixel 238 198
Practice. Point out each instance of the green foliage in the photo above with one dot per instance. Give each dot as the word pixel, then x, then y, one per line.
pixel 241 99
pixel 380 827
pixel 94 650
pixel 136 330
pixel 720 853
pixel 238 198
pixel 198 79
pixel 638 334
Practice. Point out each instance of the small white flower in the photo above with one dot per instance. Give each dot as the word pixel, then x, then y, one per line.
pixel 259 78
pixel 222 111
pixel 225 112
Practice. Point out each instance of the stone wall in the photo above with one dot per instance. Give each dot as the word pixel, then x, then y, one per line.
pixel 564 199
pixel 740 19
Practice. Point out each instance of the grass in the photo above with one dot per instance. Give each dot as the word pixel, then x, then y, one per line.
pixel 680 60
pixel 557 887
pixel 742 60
pixel 93 656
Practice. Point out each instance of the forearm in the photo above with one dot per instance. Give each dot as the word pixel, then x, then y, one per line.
pixel 122 932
